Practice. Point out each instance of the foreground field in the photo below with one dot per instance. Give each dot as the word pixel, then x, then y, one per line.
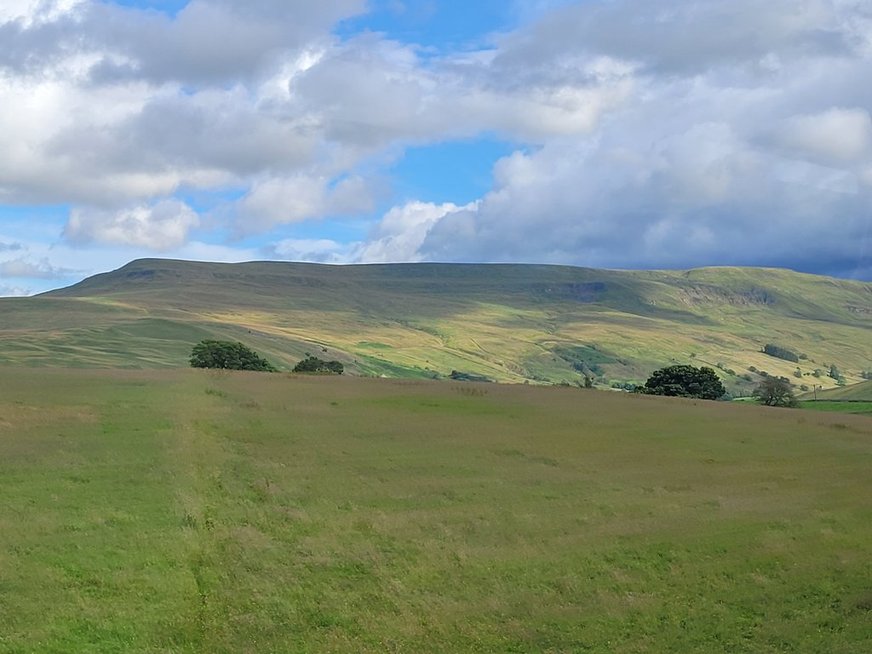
pixel 185 511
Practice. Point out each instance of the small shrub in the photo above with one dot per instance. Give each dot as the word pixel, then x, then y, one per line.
pixel 456 375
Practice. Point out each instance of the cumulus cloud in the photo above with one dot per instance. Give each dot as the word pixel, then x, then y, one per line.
pixel 285 200
pixel 401 233
pixel 28 269
pixel 836 136
pixel 318 250
pixel 721 154
pixel 650 132
pixel 687 36
pixel 161 226
pixel 14 291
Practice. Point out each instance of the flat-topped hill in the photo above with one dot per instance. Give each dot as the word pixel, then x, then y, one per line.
pixel 507 322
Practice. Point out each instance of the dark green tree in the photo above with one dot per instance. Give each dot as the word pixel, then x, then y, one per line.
pixel 318 366
pixel 228 355
pixel 685 381
pixel 775 391
pixel 780 352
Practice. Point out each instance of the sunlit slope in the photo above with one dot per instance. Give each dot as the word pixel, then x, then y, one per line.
pixel 508 322
pixel 861 392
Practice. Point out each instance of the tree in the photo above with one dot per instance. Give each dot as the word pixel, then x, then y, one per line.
pixel 775 391
pixel 685 381
pixel 228 355
pixel 319 366
pixel 780 352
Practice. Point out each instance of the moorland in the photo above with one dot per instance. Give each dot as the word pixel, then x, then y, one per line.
pixel 508 323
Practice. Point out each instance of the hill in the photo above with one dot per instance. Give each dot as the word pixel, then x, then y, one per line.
pixel 510 323
pixel 861 392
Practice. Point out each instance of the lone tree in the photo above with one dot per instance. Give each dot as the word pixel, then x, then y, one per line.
pixel 775 391
pixel 228 355
pixel 685 381
pixel 319 366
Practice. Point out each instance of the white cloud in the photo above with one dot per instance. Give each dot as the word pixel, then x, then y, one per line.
pixel 314 250
pixel 29 12
pixel 399 235
pixel 650 132
pixel 27 269
pixel 161 226
pixel 837 136
pixel 14 291
pixel 285 200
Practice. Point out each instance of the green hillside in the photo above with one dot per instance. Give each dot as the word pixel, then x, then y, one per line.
pixel 510 323
pixel 861 392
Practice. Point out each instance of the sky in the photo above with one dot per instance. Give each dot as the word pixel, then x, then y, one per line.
pixel 601 133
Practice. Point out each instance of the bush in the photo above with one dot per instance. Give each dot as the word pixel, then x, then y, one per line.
pixel 227 355
pixel 318 366
pixel 457 375
pixel 685 381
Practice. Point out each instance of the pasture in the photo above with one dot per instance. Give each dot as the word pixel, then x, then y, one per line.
pixel 839 406
pixel 195 511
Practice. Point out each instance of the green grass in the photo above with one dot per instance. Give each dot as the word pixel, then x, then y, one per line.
pixel 510 323
pixel 194 511
pixel 840 406
pixel 861 392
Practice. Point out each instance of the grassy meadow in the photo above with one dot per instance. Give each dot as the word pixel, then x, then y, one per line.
pixel 842 406
pixel 856 398
pixel 861 392
pixel 195 511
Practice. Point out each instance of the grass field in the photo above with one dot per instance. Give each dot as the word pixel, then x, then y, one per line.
pixel 839 406
pixel 861 392
pixel 189 511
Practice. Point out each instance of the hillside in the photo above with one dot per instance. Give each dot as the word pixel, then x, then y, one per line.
pixel 861 392
pixel 511 323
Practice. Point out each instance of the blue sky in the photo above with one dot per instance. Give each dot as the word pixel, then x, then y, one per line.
pixel 607 133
